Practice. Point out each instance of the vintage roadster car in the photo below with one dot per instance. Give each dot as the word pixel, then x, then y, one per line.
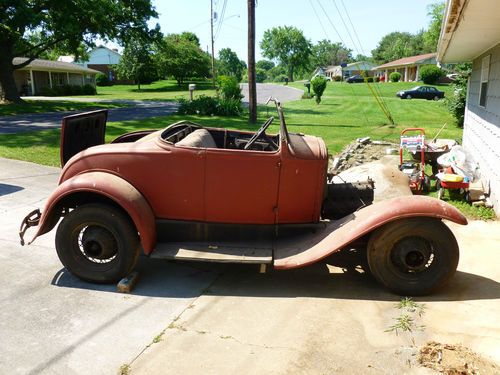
pixel 206 194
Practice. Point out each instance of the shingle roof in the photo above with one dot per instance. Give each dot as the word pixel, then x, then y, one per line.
pixel 40 64
pixel 407 60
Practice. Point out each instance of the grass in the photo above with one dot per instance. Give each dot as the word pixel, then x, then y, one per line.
pixel 160 90
pixel 41 106
pixel 347 111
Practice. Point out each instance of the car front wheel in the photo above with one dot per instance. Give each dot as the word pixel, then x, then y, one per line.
pixel 436 98
pixel 413 256
pixel 408 96
pixel 97 243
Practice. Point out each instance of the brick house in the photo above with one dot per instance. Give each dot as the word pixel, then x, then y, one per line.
pixel 471 33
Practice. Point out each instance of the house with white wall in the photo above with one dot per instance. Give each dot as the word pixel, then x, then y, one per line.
pixel 408 67
pixel 102 58
pixel 471 33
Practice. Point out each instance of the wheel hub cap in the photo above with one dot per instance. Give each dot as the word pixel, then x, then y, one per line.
pixel 98 243
pixel 412 254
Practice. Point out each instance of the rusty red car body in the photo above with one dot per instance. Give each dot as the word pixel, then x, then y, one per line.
pixel 189 192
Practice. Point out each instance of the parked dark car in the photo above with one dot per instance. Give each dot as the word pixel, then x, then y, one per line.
pixel 421 92
pixel 355 79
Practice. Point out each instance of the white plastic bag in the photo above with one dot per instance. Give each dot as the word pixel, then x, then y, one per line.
pixel 461 161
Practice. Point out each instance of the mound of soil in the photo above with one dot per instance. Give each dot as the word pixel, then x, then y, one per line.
pixel 455 360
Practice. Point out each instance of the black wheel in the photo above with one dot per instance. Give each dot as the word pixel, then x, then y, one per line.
pixel 436 98
pixel 414 256
pixel 408 96
pixel 97 243
pixel 426 184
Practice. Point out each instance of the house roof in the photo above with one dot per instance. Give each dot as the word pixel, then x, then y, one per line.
pixel 333 68
pixel 59 66
pixel 469 29
pixel 407 61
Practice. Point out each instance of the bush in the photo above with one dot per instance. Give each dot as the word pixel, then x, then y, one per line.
pixel 395 77
pixel 430 74
pixel 369 79
pixel 210 106
pixel 89 89
pixel 229 88
pixel 102 79
pixel 260 75
pixel 337 78
pixel 377 79
pixel 318 85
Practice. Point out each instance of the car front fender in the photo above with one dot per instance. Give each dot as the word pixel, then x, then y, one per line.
pixel 300 252
pixel 105 185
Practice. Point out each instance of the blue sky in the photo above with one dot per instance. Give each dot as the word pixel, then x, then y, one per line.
pixel 371 19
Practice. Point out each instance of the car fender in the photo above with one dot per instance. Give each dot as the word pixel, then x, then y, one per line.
pixel 110 186
pixel 299 252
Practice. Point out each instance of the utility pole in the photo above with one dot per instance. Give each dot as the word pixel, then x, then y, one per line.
pixel 252 88
pixel 212 40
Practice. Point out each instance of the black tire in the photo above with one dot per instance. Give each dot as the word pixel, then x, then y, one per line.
pixel 413 257
pixel 408 96
pixel 426 184
pixel 436 98
pixel 97 243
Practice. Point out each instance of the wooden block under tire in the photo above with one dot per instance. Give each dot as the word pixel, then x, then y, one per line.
pixel 127 284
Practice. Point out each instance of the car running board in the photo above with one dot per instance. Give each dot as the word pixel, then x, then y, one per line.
pixel 217 252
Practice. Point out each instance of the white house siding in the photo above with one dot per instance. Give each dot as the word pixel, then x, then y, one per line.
pixel 482 125
pixel 102 56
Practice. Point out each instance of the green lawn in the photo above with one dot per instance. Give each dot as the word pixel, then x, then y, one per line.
pixel 41 106
pixel 160 90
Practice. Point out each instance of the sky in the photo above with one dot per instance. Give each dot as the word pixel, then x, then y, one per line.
pixel 372 19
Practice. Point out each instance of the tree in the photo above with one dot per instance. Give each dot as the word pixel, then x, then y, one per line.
pixel 326 53
pixel 230 65
pixel 264 65
pixel 137 62
pixel 182 58
pixel 431 36
pixel 318 85
pixel 65 23
pixel 288 45
pixel 397 45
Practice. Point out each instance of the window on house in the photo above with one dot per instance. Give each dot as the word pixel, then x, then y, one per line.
pixel 485 72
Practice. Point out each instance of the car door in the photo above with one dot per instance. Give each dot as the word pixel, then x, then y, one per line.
pixel 241 186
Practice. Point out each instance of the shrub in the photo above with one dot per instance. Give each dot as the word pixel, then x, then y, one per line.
pixel 102 79
pixel 430 74
pixel 46 91
pixel 318 85
pixel 395 77
pixel 369 79
pixel 337 78
pixel 280 78
pixel 229 87
pixel 89 89
pixel 377 79
pixel 260 75
pixel 210 106
pixel 75 90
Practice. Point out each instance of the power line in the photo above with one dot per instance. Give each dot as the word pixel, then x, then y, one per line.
pixel 319 19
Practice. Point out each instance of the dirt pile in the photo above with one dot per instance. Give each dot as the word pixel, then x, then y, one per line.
pixel 455 360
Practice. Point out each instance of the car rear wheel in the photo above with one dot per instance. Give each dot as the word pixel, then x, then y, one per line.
pixel 97 243
pixel 414 256
pixel 408 96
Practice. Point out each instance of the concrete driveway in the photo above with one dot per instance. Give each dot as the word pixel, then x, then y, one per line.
pixel 223 319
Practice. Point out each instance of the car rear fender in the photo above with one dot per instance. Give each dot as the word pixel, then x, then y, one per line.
pixel 294 253
pixel 92 186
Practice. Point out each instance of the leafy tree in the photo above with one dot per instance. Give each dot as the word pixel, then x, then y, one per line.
pixel 182 58
pixel 288 45
pixel 65 23
pixel 230 65
pixel 137 62
pixel 192 37
pixel 326 53
pixel 397 45
pixel 431 36
pixel 360 57
pixel 264 65
pixel 260 75
pixel 318 85
pixel 456 103
pixel 53 53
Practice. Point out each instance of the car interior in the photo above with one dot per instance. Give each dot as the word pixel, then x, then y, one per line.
pixel 188 134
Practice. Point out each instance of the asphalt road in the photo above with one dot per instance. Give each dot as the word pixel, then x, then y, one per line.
pixel 41 121
pixel 191 318
pixel 138 111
